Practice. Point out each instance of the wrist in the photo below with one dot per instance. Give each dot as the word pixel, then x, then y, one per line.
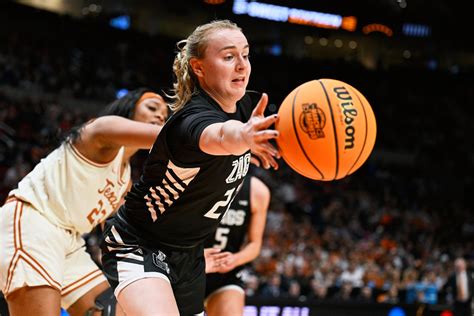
pixel 243 136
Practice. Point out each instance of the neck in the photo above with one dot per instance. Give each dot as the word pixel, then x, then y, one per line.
pixel 226 105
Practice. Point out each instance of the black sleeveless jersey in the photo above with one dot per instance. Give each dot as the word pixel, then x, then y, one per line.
pixel 232 229
pixel 183 192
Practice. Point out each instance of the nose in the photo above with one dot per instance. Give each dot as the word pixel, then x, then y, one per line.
pixel 242 63
pixel 161 117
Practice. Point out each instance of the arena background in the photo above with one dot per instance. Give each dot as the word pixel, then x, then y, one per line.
pixel 380 242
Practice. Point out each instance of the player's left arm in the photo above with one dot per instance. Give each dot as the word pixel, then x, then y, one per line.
pixel 259 201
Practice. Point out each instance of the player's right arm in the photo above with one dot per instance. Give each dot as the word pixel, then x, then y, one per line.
pixel 100 139
pixel 235 138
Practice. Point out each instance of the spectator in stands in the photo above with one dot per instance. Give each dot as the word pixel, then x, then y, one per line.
pixel 461 285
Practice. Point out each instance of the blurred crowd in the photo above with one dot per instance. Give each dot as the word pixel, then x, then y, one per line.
pixel 389 233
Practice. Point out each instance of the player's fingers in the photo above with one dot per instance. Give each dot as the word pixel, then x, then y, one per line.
pixel 262 146
pixel 265 135
pixel 261 106
pixel 211 251
pixel 272 150
pixel 266 122
pixel 255 160
pixel 219 256
pixel 265 159
pixel 269 160
pixel 261 160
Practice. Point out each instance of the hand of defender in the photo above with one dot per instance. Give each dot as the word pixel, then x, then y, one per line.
pixel 214 258
pixel 258 136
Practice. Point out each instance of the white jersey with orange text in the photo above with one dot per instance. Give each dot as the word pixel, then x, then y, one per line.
pixel 73 192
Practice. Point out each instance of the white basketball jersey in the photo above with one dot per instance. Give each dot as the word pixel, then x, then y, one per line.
pixel 73 192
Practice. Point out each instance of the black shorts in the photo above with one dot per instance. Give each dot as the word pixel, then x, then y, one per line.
pixel 185 269
pixel 219 281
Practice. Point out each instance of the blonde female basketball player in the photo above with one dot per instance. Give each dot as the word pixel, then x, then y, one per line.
pixel 153 247
pixel 43 262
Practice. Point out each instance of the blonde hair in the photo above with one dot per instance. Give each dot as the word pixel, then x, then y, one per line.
pixel 194 46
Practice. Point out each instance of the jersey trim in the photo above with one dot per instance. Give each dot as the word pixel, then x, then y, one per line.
pixel 20 254
pixel 81 282
pixel 87 160
pixel 146 275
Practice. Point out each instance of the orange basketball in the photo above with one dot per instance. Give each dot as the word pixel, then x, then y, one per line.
pixel 327 129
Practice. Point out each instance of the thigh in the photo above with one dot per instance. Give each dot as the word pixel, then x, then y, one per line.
pixel 33 249
pixel 81 275
pixel 191 287
pixel 216 282
pixel 149 296
pixel 225 294
pixel 38 300
pixel 228 301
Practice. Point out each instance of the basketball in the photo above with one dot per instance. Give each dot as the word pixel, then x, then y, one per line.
pixel 327 129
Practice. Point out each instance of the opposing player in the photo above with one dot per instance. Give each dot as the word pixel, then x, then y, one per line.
pixel 153 247
pixel 245 218
pixel 43 262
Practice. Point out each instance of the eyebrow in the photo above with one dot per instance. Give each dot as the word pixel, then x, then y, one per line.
pixel 232 47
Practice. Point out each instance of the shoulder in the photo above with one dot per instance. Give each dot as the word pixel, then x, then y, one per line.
pixel 199 101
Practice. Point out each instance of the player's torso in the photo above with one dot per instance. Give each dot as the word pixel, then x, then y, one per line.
pixel 72 191
pixel 181 204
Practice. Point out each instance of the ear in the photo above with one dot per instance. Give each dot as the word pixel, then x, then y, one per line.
pixel 196 66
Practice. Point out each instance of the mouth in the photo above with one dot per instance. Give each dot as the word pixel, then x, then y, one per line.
pixel 239 79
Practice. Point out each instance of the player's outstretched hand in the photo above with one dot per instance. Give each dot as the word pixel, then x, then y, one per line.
pixel 258 136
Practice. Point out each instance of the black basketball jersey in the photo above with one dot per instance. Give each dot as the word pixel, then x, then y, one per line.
pixel 232 229
pixel 183 192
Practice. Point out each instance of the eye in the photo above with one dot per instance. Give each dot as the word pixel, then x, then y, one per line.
pixel 228 57
pixel 151 108
pixel 246 56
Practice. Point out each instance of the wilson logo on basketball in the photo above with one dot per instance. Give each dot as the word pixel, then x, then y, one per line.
pixel 312 120
pixel 349 113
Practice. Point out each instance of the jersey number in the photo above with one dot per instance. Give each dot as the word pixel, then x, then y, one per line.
pixel 97 214
pixel 212 213
pixel 221 237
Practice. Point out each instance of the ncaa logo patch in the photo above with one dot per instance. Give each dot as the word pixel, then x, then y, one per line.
pixel 312 120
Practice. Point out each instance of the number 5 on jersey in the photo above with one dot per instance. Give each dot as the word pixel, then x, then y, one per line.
pixel 221 237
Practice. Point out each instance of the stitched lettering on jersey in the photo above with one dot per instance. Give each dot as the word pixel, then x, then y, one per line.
pixel 233 218
pixel 99 212
pixel 174 183
pixel 240 167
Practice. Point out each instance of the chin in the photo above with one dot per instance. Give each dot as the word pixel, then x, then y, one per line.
pixel 240 94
